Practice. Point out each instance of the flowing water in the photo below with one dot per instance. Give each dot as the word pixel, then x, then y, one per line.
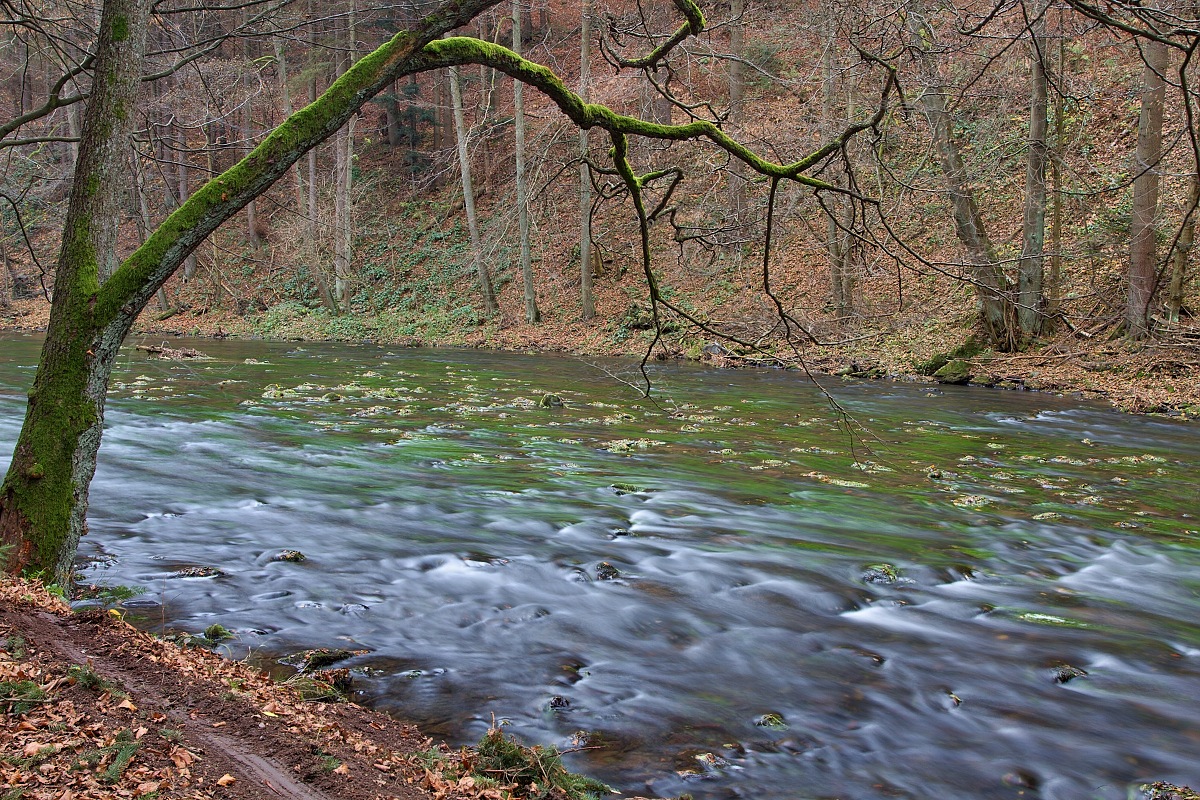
pixel 790 612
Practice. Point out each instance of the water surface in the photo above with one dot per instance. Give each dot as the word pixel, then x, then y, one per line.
pixel 458 531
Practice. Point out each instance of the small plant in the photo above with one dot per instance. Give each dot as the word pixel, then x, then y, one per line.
pixel 118 755
pixel 535 771
pixel 171 735
pixel 217 633
pixel 17 697
pixel 88 678
pixel 15 645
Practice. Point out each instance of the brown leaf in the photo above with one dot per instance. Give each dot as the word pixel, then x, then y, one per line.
pixel 342 770
pixel 126 703
pixel 182 757
pixel 148 787
pixel 32 749
pixel 140 732
pixel 225 779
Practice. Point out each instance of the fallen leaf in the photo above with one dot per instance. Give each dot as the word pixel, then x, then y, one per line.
pixel 181 757
pixel 140 732
pixel 225 779
pixel 342 770
pixel 220 724
pixel 32 749
pixel 127 704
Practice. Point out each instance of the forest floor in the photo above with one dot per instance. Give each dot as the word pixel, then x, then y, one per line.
pixel 1157 376
pixel 91 707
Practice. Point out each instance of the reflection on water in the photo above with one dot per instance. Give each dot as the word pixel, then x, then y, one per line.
pixel 720 592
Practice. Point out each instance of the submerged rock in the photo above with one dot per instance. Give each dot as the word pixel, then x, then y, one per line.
pixel 772 721
pixel 197 572
pixel 1064 673
pixel 607 572
pixel 881 574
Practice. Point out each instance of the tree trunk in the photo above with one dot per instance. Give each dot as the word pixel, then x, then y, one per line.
pixel 532 314
pixel 1183 247
pixel 1053 286
pixel 252 235
pixel 737 87
pixel 343 182
pixel 834 240
pixel 986 273
pixel 183 189
pixel 307 245
pixel 464 162
pixel 1031 269
pixel 43 500
pixel 1143 263
pixel 587 301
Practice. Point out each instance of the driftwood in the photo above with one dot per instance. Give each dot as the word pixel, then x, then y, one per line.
pixel 170 353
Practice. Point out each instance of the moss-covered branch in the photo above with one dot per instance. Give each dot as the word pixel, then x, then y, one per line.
pixel 462 50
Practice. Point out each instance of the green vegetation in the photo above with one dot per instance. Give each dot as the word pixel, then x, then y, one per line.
pixel 17 697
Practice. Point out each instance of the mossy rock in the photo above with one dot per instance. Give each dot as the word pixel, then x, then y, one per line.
pixel 954 372
pixel 197 572
pixel 881 574
pixel 550 401
pixel 607 572
pixel 314 660
pixel 290 556
pixel 968 349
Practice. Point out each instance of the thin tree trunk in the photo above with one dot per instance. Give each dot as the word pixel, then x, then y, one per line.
pixel 587 301
pixel 464 161
pixel 1143 262
pixel 1032 264
pixel 252 234
pixel 1183 247
pixel 737 86
pixel 988 277
pixel 142 220
pixel 833 233
pixel 183 189
pixel 1053 288
pixel 343 176
pixel 307 217
pixel 532 314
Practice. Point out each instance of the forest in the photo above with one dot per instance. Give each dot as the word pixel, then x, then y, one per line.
pixel 1029 170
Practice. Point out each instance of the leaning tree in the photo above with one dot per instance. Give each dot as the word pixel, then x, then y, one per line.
pixel 43 500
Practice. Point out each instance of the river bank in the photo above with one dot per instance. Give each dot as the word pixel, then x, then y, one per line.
pixel 1156 377
pixel 95 708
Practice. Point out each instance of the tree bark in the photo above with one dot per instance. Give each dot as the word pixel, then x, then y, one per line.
pixel 532 314
pixel 1183 248
pixel 1032 264
pixel 586 299
pixel 991 285
pixel 343 182
pixel 464 162
pixel 1143 262
pixel 44 496
pixel 308 250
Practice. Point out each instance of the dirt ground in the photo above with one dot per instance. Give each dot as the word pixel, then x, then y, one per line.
pixel 91 707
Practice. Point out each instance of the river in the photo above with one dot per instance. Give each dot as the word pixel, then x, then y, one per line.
pixel 726 591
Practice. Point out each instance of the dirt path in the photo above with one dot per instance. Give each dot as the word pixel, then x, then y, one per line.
pixel 93 708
